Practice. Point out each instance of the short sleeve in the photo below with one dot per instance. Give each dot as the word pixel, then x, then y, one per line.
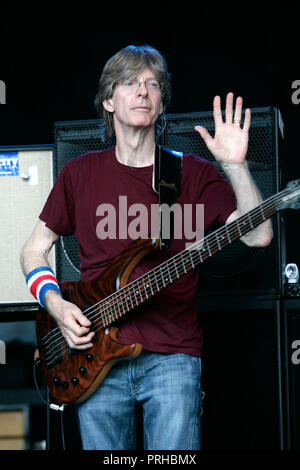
pixel 59 210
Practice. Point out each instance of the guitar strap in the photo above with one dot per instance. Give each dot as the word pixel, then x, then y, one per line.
pixel 166 182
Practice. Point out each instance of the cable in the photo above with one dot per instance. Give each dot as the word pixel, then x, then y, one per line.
pixel 52 406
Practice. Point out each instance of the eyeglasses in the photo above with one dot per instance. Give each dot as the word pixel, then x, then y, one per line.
pixel 152 85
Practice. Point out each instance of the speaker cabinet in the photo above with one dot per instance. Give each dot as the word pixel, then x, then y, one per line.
pixel 236 270
pixel 239 270
pixel 26 176
pixel 72 139
pixel 241 375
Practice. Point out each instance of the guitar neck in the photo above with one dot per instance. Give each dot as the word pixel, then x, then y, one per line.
pixel 142 289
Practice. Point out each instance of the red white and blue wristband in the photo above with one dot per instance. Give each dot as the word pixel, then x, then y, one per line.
pixel 39 281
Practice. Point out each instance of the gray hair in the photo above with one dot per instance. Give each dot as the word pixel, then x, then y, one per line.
pixel 124 65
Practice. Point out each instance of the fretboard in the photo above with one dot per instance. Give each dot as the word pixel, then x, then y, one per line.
pixel 142 289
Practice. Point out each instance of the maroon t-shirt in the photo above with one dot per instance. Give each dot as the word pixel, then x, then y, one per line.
pixel 106 205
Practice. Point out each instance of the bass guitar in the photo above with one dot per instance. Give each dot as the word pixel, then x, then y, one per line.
pixel 73 375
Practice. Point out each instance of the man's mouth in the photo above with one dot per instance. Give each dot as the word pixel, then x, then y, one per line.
pixel 142 108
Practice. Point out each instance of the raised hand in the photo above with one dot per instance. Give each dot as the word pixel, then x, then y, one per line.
pixel 230 142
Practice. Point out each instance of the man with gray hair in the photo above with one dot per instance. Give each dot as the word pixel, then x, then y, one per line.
pixel 165 379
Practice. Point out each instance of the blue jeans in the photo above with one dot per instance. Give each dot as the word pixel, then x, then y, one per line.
pixel 167 386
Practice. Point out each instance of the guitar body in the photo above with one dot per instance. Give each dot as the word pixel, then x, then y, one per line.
pixel 73 375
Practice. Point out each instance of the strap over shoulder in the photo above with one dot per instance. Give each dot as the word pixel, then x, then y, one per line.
pixel 166 182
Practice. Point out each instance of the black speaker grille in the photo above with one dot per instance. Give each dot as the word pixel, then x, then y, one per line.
pixel 236 270
pixel 239 270
pixel 71 140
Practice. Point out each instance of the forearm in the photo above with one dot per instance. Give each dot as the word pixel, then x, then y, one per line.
pixel 248 197
pixel 31 259
pixel 36 250
pixel 34 255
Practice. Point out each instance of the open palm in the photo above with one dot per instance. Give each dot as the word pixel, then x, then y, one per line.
pixel 230 142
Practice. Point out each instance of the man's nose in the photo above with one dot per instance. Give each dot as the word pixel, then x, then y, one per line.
pixel 142 89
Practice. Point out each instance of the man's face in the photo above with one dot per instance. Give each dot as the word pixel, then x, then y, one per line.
pixel 135 104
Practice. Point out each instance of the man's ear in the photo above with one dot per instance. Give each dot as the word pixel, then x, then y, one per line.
pixel 108 105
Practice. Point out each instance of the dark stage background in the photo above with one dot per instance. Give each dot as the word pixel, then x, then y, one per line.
pixel 51 62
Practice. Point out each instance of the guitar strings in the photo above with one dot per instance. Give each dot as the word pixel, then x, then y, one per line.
pixel 193 252
pixel 118 294
pixel 228 229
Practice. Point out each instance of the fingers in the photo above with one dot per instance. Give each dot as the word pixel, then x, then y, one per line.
pixel 75 327
pixel 235 117
pixel 205 135
pixel 247 120
pixel 231 116
pixel 217 111
pixel 238 111
pixel 83 321
pixel 77 342
pixel 77 330
pixel 229 107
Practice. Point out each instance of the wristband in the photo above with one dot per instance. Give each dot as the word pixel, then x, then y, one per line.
pixel 39 281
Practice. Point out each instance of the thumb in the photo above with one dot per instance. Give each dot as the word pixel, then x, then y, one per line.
pixel 81 318
pixel 204 134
